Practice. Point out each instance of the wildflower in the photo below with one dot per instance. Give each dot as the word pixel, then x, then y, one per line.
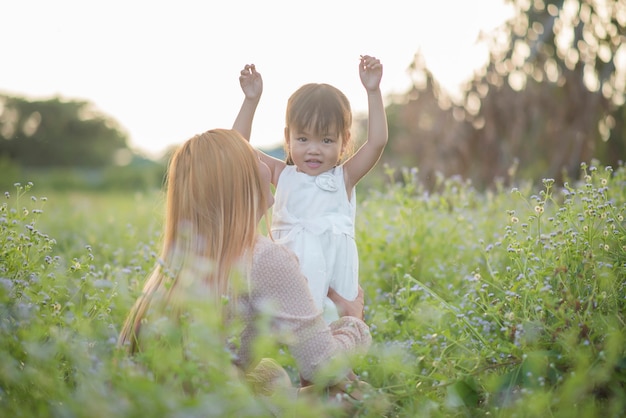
pixel 603 182
pixel 539 209
pixel 514 219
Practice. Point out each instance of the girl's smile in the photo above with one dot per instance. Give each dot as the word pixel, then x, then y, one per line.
pixel 314 153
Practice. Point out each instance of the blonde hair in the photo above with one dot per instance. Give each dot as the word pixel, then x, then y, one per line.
pixel 319 106
pixel 214 202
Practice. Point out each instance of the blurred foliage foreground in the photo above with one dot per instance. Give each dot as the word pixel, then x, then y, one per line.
pixel 502 303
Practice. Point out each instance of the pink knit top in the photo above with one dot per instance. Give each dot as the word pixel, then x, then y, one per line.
pixel 279 290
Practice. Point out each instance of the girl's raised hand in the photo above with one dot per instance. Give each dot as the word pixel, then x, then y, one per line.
pixel 251 82
pixel 371 72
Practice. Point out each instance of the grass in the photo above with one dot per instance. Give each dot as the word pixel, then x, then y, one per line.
pixel 508 303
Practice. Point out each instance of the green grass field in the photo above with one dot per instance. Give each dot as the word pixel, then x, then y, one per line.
pixel 507 303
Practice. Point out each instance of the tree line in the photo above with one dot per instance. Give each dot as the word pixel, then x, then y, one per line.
pixel 68 145
pixel 58 133
pixel 551 96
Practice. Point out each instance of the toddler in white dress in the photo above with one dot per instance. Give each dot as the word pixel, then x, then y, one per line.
pixel 315 200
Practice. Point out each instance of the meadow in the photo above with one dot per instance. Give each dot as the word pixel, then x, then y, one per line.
pixel 506 303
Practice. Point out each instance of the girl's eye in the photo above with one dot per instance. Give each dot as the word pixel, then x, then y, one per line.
pixel 301 139
pixel 328 140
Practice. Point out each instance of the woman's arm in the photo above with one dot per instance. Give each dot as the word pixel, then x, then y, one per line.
pixel 278 282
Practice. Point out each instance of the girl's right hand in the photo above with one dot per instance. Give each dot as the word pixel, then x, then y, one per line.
pixel 251 82
pixel 347 307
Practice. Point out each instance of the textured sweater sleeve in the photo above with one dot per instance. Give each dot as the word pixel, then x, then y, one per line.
pixel 279 289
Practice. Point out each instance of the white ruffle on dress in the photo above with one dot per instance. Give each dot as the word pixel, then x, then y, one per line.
pixel 313 216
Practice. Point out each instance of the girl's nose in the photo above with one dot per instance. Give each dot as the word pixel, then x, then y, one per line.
pixel 313 148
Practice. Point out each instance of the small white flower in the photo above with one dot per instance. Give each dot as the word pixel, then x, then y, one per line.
pixel 326 181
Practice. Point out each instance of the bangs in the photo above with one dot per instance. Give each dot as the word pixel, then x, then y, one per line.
pixel 318 118
pixel 320 108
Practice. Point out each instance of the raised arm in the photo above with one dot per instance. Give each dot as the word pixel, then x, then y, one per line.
pixel 251 84
pixel 366 157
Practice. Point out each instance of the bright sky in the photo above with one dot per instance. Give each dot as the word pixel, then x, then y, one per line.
pixel 166 70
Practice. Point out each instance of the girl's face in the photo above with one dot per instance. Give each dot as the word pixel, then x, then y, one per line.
pixel 314 153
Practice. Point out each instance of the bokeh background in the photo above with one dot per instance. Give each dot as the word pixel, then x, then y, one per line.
pixel 97 95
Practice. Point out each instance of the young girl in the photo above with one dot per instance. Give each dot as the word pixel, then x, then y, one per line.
pixel 315 201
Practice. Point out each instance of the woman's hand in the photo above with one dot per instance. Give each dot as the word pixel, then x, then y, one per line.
pixel 347 307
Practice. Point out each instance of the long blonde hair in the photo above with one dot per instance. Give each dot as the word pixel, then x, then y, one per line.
pixel 214 202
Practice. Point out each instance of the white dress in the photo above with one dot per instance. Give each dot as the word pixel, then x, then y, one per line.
pixel 313 216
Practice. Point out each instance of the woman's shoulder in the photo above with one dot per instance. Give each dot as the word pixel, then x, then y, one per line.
pixel 264 245
pixel 267 250
pixel 272 262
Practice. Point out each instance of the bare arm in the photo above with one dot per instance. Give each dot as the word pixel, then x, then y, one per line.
pixel 370 71
pixel 251 84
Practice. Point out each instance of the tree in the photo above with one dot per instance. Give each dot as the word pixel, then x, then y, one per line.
pixel 56 133
pixel 551 96
pixel 555 91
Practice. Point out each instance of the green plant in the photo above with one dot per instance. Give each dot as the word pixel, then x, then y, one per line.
pixel 500 303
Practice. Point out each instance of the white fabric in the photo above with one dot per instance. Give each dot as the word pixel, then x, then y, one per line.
pixel 313 216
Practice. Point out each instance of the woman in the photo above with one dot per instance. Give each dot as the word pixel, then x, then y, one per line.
pixel 214 257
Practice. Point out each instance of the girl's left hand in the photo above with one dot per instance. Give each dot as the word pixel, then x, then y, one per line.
pixel 371 72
